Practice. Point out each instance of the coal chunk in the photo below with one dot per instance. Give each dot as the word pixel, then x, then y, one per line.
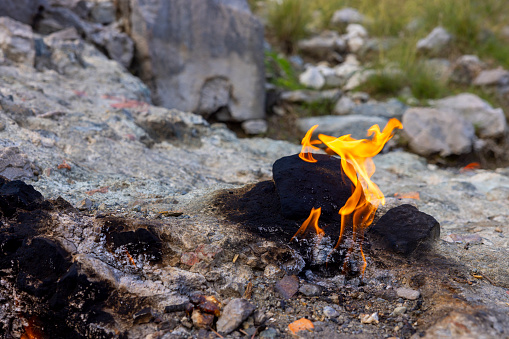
pixel 303 185
pixel 404 229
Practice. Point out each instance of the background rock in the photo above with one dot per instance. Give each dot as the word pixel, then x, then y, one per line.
pixel 15 165
pixel 208 41
pixel 431 131
pixel 356 125
pixel 23 11
pixel 436 42
pixel 16 41
pixel 346 16
pixel 489 122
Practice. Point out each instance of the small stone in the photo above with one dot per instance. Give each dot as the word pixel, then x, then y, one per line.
pixel 143 316
pixel 311 290
pixel 408 293
pixel 288 286
pixel 345 16
pixel 16 41
pixel 344 106
pixel 312 78
pixel 330 312
pixel 202 320
pixel 490 77
pixel 85 204
pixel 498 230
pixel 234 314
pixel 189 258
pixel 256 126
pixel 259 317
pixel 436 42
pixel 399 310
pixel 272 271
pixel 269 333
pixel 369 318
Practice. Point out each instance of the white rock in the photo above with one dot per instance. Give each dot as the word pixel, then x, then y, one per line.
pixel 369 318
pixel 346 15
pixel 435 42
pixel 489 122
pixel 343 106
pixel 490 77
pixel 408 293
pixel 312 77
pixel 430 131
pixel 256 126
pixel 356 30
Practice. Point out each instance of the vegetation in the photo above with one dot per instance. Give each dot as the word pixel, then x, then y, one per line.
pixel 475 25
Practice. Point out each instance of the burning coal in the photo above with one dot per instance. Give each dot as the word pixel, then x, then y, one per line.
pixel 356 162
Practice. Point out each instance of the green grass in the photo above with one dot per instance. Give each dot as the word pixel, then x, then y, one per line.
pixel 288 21
pixel 281 72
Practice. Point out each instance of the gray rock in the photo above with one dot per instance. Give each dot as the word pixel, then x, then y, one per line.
pixel 431 131
pixel 393 108
pixel 16 41
pixel 118 45
pixel 466 68
pixel 329 45
pixel 346 16
pixel 269 333
pixel 356 36
pixel 103 12
pixel 489 122
pixel 310 290
pixel 436 42
pixel 330 312
pixel 253 127
pixel 343 106
pixel 490 77
pixel 308 96
pixel 288 286
pixel 64 50
pixel 356 125
pixel 399 310
pixel 408 293
pixel 207 41
pixel 312 78
pixel 234 314
pixel 15 165
pixel 23 11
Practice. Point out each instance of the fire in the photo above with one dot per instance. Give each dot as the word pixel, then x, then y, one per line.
pixel 356 161
pixel 313 220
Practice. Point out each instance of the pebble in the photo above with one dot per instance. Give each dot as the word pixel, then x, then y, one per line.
pixel 310 290
pixel 272 271
pixel 399 310
pixel 369 318
pixel 288 286
pixel 408 293
pixel 234 314
pixel 269 333
pixel 330 312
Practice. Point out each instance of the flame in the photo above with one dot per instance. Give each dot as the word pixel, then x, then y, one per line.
pixel 356 161
pixel 313 220
pixel 307 146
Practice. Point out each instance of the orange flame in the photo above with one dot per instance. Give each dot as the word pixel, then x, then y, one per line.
pixel 313 220
pixel 307 146
pixel 356 161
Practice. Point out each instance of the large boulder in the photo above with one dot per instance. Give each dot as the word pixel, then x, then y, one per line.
pixel 489 122
pixel 200 56
pixel 430 131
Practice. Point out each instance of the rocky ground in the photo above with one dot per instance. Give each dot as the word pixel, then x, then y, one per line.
pixel 140 240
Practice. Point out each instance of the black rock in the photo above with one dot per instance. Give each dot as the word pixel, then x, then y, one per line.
pixel 404 229
pixel 18 195
pixel 302 185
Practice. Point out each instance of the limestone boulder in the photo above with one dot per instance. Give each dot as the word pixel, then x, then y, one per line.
pixel 430 131
pixel 200 56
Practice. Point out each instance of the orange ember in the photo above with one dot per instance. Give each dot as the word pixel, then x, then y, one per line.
pixel 356 161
